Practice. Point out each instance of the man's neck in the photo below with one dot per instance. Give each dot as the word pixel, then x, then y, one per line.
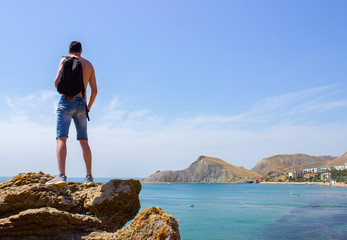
pixel 77 55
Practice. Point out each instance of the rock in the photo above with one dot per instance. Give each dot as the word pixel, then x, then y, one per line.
pixel 30 210
pixel 113 203
pixel 47 222
pixel 116 203
pixel 152 223
pixel 204 170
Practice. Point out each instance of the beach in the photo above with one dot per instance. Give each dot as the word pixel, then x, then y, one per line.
pixel 309 183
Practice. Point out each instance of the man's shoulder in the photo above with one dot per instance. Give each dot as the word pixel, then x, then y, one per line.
pixel 85 62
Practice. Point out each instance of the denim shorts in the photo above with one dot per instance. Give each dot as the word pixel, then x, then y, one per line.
pixel 72 109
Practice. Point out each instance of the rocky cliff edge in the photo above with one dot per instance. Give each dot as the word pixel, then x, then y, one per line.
pixel 29 209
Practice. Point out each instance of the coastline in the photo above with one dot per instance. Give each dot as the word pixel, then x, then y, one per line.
pixel 308 183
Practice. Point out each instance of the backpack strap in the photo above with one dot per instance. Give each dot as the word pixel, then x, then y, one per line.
pixel 65 57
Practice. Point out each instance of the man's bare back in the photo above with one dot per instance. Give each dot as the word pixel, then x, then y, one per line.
pixel 89 78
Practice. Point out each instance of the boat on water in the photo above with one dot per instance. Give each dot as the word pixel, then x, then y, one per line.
pixel 254 181
pixel 247 182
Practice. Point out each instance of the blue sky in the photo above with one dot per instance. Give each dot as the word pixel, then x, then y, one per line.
pixel 238 80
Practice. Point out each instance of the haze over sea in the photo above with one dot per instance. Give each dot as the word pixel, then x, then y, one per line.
pixel 250 211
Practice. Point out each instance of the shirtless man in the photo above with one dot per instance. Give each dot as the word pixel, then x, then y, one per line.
pixel 74 108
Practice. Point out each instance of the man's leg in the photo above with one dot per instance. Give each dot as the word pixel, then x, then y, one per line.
pixel 61 154
pixel 80 119
pixel 60 180
pixel 87 155
pixel 63 124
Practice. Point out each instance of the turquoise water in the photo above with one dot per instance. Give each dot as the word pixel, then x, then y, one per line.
pixel 225 211
pixel 250 211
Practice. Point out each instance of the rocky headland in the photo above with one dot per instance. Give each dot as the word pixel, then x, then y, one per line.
pixel 288 163
pixel 29 209
pixel 204 170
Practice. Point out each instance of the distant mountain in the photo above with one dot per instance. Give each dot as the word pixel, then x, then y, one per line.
pixel 288 162
pixel 328 157
pixel 339 161
pixel 204 170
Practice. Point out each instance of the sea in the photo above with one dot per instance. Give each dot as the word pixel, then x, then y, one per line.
pixel 250 211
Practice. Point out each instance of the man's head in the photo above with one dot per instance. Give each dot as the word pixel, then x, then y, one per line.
pixel 75 47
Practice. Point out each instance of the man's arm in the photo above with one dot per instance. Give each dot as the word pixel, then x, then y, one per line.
pixel 56 81
pixel 93 88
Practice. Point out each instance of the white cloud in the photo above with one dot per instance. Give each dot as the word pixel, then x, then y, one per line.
pixel 137 143
pixel 39 106
pixel 320 106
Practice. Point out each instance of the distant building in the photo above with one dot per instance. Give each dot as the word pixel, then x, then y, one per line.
pixel 312 170
pixel 308 172
pixel 308 175
pixel 295 174
pixel 342 167
pixel 325 176
pixel 325 168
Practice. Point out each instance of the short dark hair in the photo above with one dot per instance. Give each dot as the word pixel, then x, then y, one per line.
pixel 75 46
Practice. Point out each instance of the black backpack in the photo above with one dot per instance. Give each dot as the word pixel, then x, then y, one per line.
pixel 71 78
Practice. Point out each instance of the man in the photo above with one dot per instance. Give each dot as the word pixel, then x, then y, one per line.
pixel 74 107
